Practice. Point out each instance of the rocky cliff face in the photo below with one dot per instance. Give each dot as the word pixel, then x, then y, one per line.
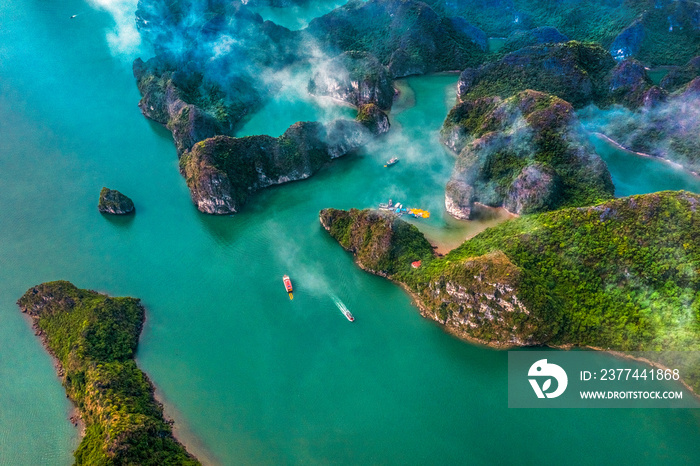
pixel 115 203
pixel 631 86
pixel 374 119
pixel 536 189
pixel 459 198
pixel 356 78
pixel 190 107
pixel 523 153
pixel 628 43
pixel 222 172
pixel 478 299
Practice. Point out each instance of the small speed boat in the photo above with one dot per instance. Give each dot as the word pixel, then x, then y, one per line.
pixel 391 162
pixel 348 315
pixel 288 285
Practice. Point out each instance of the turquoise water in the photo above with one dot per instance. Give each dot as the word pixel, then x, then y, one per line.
pixel 291 104
pixel 249 376
pixel 657 74
pixel 636 174
pixel 496 43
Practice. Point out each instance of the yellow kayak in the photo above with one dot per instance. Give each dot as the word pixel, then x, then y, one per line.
pixel 419 213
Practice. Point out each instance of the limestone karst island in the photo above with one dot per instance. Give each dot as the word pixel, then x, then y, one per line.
pixel 350 232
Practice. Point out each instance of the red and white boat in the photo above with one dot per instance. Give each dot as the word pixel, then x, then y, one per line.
pixel 348 315
pixel 288 285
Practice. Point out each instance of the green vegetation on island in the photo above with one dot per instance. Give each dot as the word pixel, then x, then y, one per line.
pixel 381 242
pixel 574 71
pixel 620 275
pixel 594 20
pixel 657 32
pixel 94 338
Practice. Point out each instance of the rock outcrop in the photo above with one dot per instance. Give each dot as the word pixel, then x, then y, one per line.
pixel 629 42
pixel 631 86
pixel 222 172
pixel 459 198
pixel 523 153
pixel 374 119
pixel 356 78
pixel 536 188
pixel 115 203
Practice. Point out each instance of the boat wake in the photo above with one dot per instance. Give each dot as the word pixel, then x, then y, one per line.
pixel 342 307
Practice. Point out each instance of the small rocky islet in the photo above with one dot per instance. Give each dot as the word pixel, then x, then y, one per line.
pixel 115 203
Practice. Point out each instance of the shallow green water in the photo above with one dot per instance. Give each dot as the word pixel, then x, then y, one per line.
pixel 249 376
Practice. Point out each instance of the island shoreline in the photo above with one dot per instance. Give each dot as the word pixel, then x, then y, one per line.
pixel 643 154
pixel 415 300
